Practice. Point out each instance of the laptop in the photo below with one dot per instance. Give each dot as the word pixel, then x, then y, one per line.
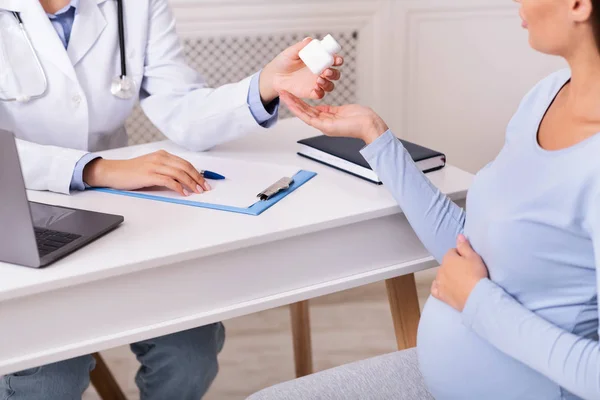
pixel 34 234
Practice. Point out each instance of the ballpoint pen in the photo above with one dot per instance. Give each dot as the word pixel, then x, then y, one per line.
pixel 212 175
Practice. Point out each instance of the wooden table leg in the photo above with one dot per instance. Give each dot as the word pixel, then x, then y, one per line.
pixel 404 304
pixel 301 337
pixel 104 381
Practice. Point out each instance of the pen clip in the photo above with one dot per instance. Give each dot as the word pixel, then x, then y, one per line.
pixel 279 186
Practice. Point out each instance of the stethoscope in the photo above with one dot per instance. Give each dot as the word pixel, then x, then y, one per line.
pixel 122 86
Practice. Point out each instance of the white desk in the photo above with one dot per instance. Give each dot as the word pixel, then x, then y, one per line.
pixel 169 268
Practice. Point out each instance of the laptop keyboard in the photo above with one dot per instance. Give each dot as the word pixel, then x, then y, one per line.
pixel 49 240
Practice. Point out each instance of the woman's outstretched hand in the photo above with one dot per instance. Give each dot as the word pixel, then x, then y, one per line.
pixel 346 121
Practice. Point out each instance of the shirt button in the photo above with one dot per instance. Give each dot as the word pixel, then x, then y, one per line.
pixel 76 100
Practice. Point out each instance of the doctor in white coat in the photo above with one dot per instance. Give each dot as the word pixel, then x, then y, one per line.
pixel 57 94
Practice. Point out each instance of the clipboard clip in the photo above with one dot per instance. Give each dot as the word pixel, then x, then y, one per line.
pixel 279 186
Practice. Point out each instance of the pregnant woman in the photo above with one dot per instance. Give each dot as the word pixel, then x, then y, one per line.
pixel 514 310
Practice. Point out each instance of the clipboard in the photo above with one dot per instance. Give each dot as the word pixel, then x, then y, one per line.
pixel 273 196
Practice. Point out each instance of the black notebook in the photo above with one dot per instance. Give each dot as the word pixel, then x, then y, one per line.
pixel 344 154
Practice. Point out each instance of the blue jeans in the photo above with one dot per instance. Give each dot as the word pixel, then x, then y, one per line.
pixel 180 366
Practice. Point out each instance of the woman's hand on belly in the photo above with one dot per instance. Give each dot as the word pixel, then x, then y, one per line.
pixel 156 169
pixel 462 268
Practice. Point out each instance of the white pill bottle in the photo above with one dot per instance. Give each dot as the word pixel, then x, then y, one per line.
pixel 318 55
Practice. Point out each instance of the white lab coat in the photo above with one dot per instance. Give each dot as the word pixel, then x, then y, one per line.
pixel 79 114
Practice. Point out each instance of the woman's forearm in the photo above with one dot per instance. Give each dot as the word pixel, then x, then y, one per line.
pixel 434 217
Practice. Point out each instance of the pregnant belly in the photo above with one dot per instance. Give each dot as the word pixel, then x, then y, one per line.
pixel 458 364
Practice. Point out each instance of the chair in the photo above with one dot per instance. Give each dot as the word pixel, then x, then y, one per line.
pixel 404 307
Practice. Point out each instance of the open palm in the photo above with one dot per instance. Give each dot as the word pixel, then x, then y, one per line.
pixel 347 121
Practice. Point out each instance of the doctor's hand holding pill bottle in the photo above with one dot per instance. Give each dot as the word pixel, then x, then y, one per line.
pixel 289 72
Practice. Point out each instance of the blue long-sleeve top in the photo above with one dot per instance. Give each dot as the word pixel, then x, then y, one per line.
pixel 63 20
pixel 530 331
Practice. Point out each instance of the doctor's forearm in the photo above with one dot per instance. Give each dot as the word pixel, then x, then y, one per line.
pixel 77 182
pixel 48 167
pixel 265 115
pixel 267 90
pixel 93 173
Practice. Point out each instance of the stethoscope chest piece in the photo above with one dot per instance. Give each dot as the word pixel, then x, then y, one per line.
pixel 123 87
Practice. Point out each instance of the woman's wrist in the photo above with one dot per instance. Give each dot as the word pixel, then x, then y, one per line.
pixel 375 128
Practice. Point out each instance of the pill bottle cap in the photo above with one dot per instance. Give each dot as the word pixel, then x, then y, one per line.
pixel 331 45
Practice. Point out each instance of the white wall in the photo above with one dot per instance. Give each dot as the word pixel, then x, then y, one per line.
pixel 443 73
pixel 465 69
